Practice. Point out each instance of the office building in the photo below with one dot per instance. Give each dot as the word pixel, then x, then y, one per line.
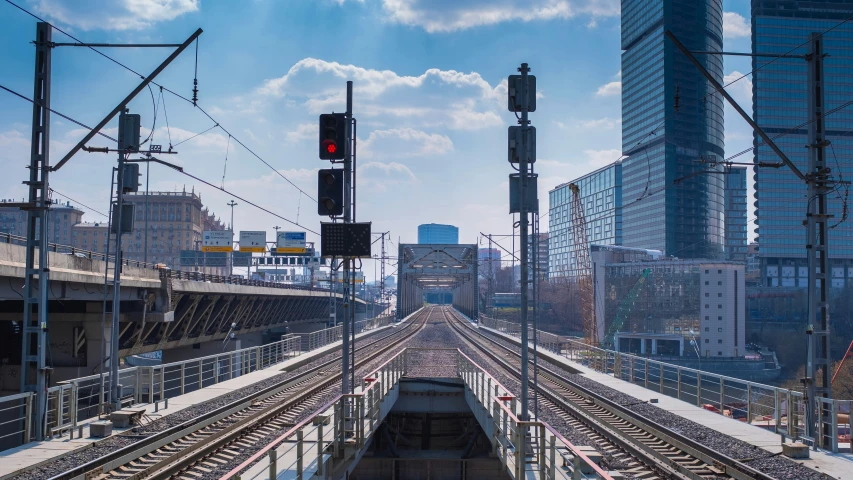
pixel 542 255
pixel 601 195
pixel 61 218
pixel 736 245
pixel 780 107
pixel 668 123
pixel 438 233
pixel 489 261
pixel 670 302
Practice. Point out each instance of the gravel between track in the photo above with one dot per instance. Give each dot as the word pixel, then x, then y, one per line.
pixel 779 467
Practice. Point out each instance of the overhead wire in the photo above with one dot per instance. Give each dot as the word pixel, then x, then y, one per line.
pixel 193 102
pixel 77 202
pixel 723 87
pixel 78 123
pixel 189 175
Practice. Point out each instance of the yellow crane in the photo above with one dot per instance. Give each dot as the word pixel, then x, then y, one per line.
pixel 583 267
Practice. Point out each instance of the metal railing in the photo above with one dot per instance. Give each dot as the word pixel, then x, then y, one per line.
pixel 164 272
pixel 80 252
pixel 73 401
pixel 337 431
pixel 773 408
pixel 321 338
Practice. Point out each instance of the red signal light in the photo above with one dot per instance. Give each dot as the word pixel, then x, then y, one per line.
pixel 330 146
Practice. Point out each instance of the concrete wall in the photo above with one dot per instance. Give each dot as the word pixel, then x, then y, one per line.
pixel 723 310
pixel 254 339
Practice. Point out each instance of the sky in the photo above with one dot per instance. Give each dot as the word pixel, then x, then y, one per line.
pixel 429 98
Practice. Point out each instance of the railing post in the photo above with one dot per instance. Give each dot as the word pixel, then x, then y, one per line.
pixel 678 382
pixel 552 452
pixel 834 431
pixel 722 396
pixel 749 403
pixel 576 468
pixel 646 363
pixel 273 466
pixel 661 377
pixel 183 377
pixel 698 388
pixel 162 383
pixel 541 443
pixel 28 415
pixel 320 448
pixel 299 446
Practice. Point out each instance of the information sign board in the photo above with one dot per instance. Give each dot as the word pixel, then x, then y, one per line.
pixel 253 241
pixel 290 242
pixel 217 241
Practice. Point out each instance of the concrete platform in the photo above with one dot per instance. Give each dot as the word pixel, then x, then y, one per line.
pixel 14 459
pixel 835 465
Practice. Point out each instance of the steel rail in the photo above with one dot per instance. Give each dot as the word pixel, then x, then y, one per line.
pixel 730 467
pixel 209 447
pixel 159 439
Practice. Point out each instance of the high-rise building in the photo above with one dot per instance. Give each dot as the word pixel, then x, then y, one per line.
pixel 780 107
pixel 542 255
pixel 736 215
pixel 601 195
pixel 489 261
pixel 668 123
pixel 438 233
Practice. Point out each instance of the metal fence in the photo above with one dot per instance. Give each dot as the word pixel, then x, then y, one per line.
pixel 340 429
pixel 321 338
pixel 72 401
pixel 773 408
pixel 164 272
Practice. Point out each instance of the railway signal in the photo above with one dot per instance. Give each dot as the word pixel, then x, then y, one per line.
pixel 333 136
pixel 330 192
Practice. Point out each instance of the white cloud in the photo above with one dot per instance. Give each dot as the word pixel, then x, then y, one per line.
pixel 610 89
pixel 317 84
pixel 445 16
pixel 735 26
pixel 741 91
pixel 605 123
pixel 13 139
pixel 304 131
pixel 404 142
pixel 114 14
pixel 377 176
pixel 600 158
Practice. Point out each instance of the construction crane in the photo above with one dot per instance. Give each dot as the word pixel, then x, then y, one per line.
pixel 624 310
pixel 584 267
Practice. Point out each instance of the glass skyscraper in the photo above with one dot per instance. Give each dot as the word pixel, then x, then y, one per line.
pixel 601 195
pixel 736 214
pixel 437 233
pixel 668 124
pixel 780 107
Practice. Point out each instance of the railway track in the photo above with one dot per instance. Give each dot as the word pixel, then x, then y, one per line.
pixel 196 450
pixel 630 444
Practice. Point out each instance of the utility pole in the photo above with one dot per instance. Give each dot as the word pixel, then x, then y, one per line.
pixel 350 308
pixel 523 240
pixel 490 293
pixel 817 250
pixel 231 204
pixel 523 199
pixel 382 272
pixel 34 369
pixel 819 183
